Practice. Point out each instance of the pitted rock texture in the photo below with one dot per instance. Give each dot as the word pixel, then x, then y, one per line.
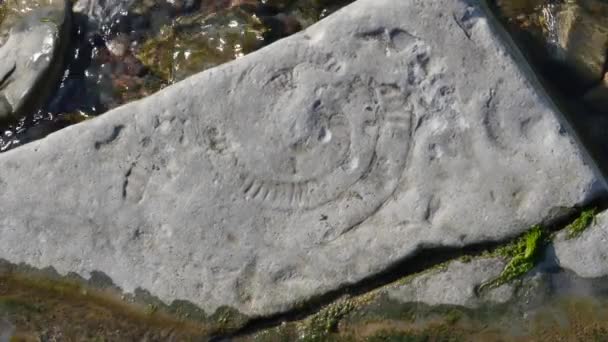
pixel 456 284
pixel 387 128
pixel 586 255
pixel 32 56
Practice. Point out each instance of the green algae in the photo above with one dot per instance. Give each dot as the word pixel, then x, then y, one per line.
pixel 320 325
pixel 523 255
pixel 576 228
pixel 326 320
pixel 195 43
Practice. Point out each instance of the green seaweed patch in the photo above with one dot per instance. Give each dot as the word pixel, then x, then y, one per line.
pixel 576 228
pixel 328 318
pixel 323 323
pixel 227 319
pixel 523 255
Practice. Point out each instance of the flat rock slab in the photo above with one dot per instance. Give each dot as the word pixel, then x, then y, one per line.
pixel 387 128
pixel 456 284
pixel 586 255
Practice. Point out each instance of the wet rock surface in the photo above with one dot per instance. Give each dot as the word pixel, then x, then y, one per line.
pixel 31 57
pixel 306 166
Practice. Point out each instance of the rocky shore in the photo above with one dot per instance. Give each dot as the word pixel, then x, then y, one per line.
pixel 396 169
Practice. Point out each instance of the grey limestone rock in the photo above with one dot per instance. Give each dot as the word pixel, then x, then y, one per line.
pixel 586 255
pixel 456 284
pixel 32 56
pixel 387 128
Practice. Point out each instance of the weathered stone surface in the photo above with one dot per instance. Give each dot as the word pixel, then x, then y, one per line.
pixel 32 57
pixel 586 255
pixel 456 284
pixel 387 128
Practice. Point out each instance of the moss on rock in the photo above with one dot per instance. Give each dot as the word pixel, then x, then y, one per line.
pixel 523 255
pixel 576 228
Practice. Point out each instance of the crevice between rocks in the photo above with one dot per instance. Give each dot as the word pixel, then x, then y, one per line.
pixel 426 258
